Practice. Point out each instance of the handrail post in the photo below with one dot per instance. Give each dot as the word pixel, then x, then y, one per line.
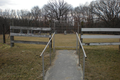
pixel 50 52
pixel 83 67
pixel 43 64
pixel 81 34
pixel 79 54
pixel 54 39
pixel 76 45
pixel 54 44
pixel 78 27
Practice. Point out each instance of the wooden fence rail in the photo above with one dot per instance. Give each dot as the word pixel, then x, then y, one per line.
pixel 28 34
pixel 104 36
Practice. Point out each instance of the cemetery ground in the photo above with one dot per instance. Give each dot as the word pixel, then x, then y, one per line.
pixel 22 62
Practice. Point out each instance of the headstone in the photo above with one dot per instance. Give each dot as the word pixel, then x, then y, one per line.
pixel 65 32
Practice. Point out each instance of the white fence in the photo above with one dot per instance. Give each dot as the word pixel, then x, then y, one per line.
pixel 105 36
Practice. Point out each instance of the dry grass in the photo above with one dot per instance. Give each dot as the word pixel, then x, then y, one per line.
pixel 22 62
pixel 65 40
pixel 102 63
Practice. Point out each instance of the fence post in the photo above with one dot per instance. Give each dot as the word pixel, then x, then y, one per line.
pixel 50 37
pixel 4 34
pixel 81 32
pixel 21 31
pixel 11 39
pixel 119 45
pixel 43 64
pixel 54 26
pixel 28 31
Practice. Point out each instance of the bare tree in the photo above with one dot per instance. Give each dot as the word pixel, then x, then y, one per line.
pixel 57 9
pixel 1 13
pixel 24 14
pixel 82 14
pixel 13 14
pixel 6 13
pixel 76 14
pixel 36 13
pixel 107 11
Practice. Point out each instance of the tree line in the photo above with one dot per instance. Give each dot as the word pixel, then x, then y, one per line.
pixel 99 13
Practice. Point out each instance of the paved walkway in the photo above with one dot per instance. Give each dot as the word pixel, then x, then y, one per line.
pixel 65 67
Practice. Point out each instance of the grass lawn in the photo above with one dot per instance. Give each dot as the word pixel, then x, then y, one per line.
pixel 22 62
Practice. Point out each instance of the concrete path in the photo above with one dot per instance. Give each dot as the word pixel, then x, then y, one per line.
pixel 64 67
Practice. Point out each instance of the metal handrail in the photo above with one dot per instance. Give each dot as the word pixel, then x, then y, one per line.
pixel 81 45
pixel 85 56
pixel 42 54
pixel 47 44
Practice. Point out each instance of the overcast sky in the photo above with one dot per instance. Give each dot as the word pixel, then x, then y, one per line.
pixel 28 4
